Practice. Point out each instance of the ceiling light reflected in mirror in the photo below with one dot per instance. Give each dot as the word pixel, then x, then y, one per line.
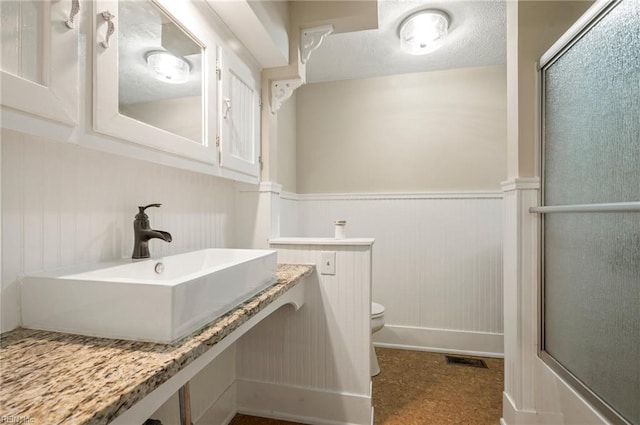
pixel 168 68
pixel 153 50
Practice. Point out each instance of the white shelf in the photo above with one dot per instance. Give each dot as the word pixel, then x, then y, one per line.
pixel 322 241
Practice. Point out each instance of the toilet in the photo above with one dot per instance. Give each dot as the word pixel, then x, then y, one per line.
pixel 377 322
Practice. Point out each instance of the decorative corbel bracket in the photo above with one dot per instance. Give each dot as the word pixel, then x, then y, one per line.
pixel 282 90
pixel 311 38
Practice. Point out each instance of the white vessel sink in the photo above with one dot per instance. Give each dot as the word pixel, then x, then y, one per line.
pixel 157 300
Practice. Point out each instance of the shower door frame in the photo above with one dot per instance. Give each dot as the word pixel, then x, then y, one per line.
pixel 589 19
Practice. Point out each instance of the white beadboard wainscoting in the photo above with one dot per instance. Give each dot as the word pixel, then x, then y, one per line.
pixel 258 209
pixel 313 366
pixel 212 391
pixel 64 205
pixel 533 393
pixel 520 298
pixel 437 262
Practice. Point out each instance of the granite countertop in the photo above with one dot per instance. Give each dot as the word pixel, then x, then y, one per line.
pixel 56 378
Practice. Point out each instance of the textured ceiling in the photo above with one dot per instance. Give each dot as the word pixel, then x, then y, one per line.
pixel 477 37
pixel 144 28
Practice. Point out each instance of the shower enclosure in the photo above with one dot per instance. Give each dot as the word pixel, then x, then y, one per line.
pixel 590 249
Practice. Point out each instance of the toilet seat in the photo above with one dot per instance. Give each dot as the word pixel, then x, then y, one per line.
pixel 377 310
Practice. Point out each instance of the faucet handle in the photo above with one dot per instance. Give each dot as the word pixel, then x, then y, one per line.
pixel 148 206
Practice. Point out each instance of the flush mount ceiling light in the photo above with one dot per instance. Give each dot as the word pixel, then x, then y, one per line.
pixel 420 32
pixel 167 67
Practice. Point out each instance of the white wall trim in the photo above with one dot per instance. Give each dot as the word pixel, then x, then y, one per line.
pixel 304 405
pixel 512 416
pixel 323 241
pixel 262 187
pixel 387 196
pixel 521 183
pixel 270 187
pixel 584 22
pixel 483 344
pixel 558 402
pixel 520 299
pixel 291 196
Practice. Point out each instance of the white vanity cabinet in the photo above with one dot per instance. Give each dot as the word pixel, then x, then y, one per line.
pixel 164 79
pixel 167 81
pixel 154 76
pixel 39 58
pixel 240 117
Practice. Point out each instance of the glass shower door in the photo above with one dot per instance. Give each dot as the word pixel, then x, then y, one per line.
pixel 591 214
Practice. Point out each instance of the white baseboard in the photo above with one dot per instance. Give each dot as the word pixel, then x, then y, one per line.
pixel 512 416
pixel 481 344
pixel 303 405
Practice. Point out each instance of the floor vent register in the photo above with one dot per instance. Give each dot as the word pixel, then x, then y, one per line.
pixel 466 361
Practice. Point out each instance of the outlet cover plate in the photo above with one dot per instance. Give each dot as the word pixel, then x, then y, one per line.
pixel 328 262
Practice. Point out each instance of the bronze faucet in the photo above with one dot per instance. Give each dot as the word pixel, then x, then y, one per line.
pixel 143 232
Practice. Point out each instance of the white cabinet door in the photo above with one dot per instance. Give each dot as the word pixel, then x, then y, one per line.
pixel 39 58
pixel 240 117
pixel 154 76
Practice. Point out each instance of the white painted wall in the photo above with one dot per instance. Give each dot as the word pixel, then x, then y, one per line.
pixel 430 131
pixel 361 145
pixel 287 166
pixel 532 27
pixel 182 116
pixel 437 262
pixel 290 220
pixel 64 205
pixel 274 16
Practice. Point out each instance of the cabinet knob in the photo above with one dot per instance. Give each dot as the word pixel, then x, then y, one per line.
pixel 111 28
pixel 227 108
pixel 75 8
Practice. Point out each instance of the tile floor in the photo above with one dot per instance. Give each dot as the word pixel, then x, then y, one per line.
pixel 420 388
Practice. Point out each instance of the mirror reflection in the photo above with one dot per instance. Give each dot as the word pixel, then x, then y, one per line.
pixel 21 40
pixel 159 71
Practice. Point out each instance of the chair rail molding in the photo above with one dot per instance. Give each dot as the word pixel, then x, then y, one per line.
pixel 521 183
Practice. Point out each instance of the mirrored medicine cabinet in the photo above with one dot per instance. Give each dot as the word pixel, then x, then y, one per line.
pixel 162 81
pixel 155 80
